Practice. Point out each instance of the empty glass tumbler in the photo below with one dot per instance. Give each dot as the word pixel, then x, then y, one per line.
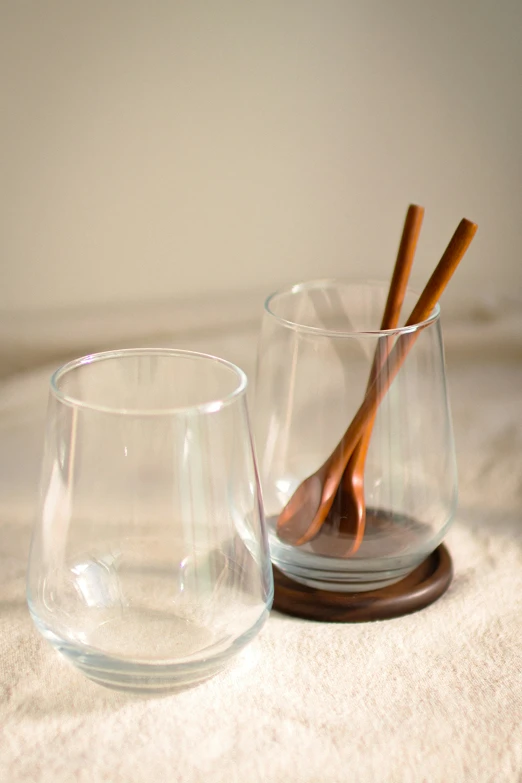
pixel 316 349
pixel 149 563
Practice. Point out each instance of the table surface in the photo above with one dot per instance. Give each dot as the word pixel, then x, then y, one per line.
pixel 434 696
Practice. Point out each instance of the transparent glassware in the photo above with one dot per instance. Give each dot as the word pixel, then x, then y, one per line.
pixel 149 564
pixel 316 348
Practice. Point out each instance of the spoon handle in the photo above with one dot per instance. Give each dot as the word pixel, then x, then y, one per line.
pixel 402 269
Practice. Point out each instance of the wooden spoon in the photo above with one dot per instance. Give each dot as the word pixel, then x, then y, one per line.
pixel 306 511
pixel 352 504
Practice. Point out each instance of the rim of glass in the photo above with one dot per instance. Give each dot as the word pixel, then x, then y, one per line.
pixel 211 406
pixel 332 282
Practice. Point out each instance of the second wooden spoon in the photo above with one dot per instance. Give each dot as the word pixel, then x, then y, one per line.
pixel 352 519
pixel 307 509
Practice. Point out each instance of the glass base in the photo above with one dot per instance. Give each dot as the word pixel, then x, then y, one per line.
pixel 354 582
pixel 416 591
pixel 392 547
pixel 147 678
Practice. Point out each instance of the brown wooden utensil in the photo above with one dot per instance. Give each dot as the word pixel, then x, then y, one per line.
pixel 351 490
pixel 304 514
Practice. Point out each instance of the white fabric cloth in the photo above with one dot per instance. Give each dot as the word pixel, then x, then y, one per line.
pixel 434 696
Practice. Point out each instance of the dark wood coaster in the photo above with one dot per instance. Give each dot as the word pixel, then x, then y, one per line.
pixel 419 589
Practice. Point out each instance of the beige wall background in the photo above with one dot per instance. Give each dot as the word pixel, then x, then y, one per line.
pixel 171 150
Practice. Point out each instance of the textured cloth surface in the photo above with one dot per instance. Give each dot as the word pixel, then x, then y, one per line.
pixel 435 696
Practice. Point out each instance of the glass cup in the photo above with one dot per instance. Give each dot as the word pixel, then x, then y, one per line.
pixel 316 349
pixel 149 563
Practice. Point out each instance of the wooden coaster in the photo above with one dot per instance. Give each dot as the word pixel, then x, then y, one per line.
pixel 419 589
